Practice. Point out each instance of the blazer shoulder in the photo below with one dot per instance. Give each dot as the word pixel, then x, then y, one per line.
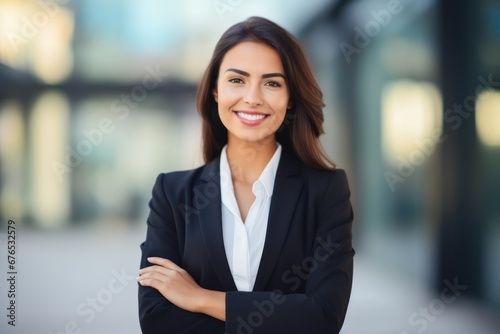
pixel 176 182
pixel 328 183
pixel 319 179
pixel 320 175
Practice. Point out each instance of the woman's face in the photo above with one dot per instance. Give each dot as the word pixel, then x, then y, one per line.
pixel 252 92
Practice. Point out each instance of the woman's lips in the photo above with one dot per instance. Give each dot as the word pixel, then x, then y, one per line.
pixel 250 117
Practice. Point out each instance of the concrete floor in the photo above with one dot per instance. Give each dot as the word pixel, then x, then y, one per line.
pixel 61 273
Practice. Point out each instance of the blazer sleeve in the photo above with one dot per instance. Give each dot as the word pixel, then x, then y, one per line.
pixel 322 308
pixel 157 314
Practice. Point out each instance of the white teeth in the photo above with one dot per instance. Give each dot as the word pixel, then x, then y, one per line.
pixel 250 117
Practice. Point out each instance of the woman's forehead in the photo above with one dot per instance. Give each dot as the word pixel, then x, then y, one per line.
pixel 252 57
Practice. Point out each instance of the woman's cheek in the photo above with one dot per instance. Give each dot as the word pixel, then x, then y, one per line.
pixel 230 93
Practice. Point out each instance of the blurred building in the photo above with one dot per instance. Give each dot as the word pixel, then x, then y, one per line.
pixel 98 97
pixel 414 96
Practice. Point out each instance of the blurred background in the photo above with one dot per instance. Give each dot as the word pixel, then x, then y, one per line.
pixel 98 97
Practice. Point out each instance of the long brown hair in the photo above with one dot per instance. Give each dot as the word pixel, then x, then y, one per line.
pixel 303 123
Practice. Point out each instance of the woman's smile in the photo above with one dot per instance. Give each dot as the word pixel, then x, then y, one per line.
pixel 251 118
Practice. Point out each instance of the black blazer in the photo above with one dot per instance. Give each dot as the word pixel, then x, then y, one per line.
pixel 304 279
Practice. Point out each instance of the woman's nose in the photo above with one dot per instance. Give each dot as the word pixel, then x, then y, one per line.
pixel 253 96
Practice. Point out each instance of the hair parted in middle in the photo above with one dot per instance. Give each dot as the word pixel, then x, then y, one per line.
pixel 303 123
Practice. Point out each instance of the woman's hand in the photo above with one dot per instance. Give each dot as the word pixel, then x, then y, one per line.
pixel 175 284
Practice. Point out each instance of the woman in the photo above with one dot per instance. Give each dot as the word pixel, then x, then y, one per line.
pixel 258 240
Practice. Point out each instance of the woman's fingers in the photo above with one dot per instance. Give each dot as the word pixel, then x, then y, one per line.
pixel 173 282
pixel 163 272
pixel 155 276
pixel 150 282
pixel 161 277
pixel 160 265
pixel 164 263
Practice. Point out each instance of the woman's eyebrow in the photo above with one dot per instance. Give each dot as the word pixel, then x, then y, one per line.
pixel 246 74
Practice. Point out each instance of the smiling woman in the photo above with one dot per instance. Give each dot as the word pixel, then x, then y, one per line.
pixel 257 240
pixel 252 102
pixel 303 122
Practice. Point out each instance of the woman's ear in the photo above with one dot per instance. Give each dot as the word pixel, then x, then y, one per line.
pixel 290 105
pixel 216 96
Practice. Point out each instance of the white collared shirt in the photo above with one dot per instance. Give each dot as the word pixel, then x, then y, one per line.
pixel 244 241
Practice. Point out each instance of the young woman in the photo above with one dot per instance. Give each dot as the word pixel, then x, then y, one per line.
pixel 257 240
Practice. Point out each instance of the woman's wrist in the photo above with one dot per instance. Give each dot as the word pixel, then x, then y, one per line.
pixel 212 303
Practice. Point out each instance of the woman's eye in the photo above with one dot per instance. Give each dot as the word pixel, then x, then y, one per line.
pixel 273 84
pixel 236 80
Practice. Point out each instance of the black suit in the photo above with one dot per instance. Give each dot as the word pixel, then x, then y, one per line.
pixel 304 279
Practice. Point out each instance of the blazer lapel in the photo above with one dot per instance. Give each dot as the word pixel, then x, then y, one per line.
pixel 210 219
pixel 287 188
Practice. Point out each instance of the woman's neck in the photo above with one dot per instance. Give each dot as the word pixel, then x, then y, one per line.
pixel 247 160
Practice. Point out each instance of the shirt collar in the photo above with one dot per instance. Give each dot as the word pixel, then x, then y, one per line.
pixel 225 172
pixel 266 178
